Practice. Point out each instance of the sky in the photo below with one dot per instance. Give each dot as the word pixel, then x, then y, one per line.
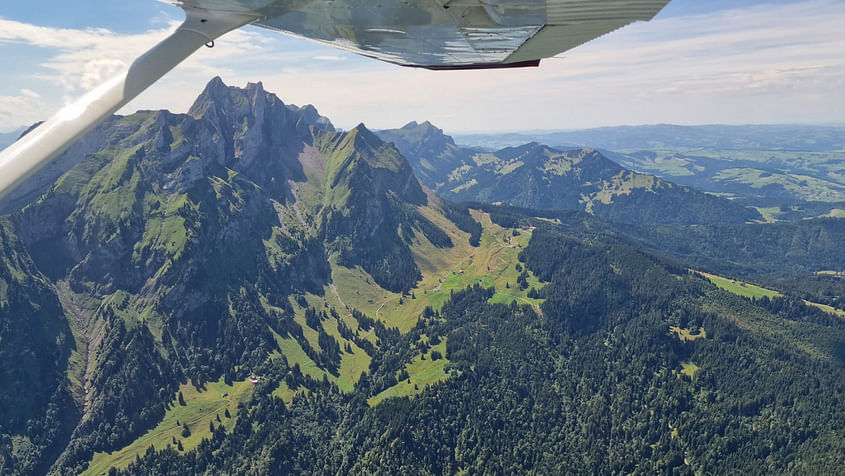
pixel 697 62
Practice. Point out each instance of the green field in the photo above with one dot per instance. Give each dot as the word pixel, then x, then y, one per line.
pixel 421 372
pixel 689 369
pixel 492 265
pixel 741 288
pixel 296 356
pixel 686 335
pixel 286 394
pixel 751 291
pixel 445 270
pixel 826 308
pixel 770 214
pixel 351 365
pixel 202 406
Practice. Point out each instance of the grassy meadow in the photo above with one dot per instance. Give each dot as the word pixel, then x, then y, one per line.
pixel 202 407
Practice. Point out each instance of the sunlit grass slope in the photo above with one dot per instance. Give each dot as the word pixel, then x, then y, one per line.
pixel 202 407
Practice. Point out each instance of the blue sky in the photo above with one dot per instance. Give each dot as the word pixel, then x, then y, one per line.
pixel 698 62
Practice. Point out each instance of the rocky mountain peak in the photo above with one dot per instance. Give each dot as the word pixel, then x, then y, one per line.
pixel 312 117
pixel 426 131
pixel 216 93
pixel 359 153
pixel 253 104
pixel 363 137
pixel 255 129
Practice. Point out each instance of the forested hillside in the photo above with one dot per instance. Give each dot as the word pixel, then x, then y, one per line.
pixel 243 289
pixel 631 365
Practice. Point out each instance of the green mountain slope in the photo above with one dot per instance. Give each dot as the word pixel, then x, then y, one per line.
pixel 631 365
pixel 244 290
pixel 170 252
pixel 35 347
pixel 799 252
pixel 539 177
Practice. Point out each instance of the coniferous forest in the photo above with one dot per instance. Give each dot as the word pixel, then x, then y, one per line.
pixel 593 383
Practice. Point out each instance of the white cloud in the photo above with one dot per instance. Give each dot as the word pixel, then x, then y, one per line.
pixel 79 60
pixel 24 108
pixel 85 58
pixel 30 94
pixel 767 63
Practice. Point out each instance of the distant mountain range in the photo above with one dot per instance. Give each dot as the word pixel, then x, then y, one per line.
pixel 766 164
pixel 7 138
pixel 669 136
pixel 540 177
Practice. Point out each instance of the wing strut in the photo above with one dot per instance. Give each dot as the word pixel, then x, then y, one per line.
pixel 35 150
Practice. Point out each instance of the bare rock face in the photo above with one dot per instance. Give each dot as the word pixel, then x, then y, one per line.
pixel 254 125
pixel 153 197
pixel 190 174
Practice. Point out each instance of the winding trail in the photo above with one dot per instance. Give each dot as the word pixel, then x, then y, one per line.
pixel 337 295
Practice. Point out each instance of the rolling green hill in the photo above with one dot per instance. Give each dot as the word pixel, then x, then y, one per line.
pixel 767 177
pixel 783 137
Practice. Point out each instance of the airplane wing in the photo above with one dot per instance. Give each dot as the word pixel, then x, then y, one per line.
pixel 435 34
pixel 446 34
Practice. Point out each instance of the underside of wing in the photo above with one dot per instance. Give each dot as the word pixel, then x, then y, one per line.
pixel 445 34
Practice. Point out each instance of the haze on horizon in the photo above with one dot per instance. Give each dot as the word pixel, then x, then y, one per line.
pixel 775 61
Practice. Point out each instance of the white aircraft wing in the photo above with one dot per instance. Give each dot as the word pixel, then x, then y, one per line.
pixel 445 34
pixel 435 34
